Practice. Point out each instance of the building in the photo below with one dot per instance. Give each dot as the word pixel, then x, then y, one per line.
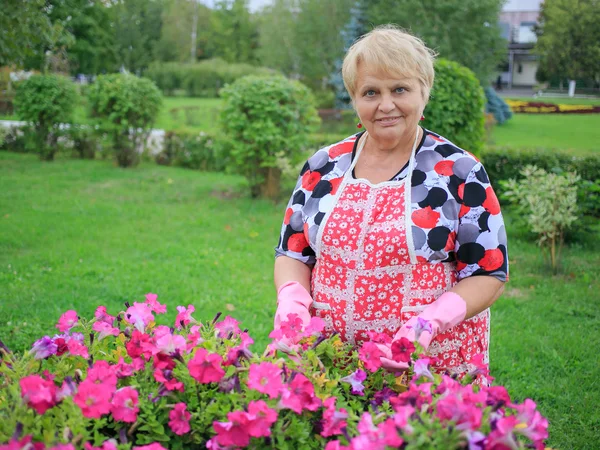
pixel 517 19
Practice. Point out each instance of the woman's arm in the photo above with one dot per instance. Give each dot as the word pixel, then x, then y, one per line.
pixel 290 269
pixel 479 292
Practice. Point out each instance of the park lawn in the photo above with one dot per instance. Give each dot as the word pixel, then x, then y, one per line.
pixel 577 133
pixel 78 234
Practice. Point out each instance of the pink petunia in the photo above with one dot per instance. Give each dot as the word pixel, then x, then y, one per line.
pixel 76 348
pixel 138 345
pixel 292 328
pixel 168 380
pixel 105 329
pixel 62 447
pixel 536 426
pixel 110 444
pixel 233 433
pixel 335 445
pixel 124 405
pixel 170 344
pixel 38 393
pixel 206 367
pixel 179 419
pixel 227 326
pixel 184 317
pixel 315 326
pixel 93 399
pixel 333 421
pixel 453 409
pixel 265 378
pixel 67 321
pixel 139 315
pixel 193 338
pixel 102 373
pixel 153 446
pixel 262 417
pixel 68 389
pixel 44 348
pixel 123 369
pixel 370 354
pixel 102 316
pixel 299 395
pixel 356 379
pixel 503 435
pixel 152 302
pixel 402 350
pixel 421 368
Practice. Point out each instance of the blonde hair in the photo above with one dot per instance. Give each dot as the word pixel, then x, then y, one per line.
pixel 393 50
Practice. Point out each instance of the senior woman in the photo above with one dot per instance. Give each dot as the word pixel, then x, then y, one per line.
pixel 394 223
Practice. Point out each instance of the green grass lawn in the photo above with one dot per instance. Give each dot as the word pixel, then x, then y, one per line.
pixel 78 234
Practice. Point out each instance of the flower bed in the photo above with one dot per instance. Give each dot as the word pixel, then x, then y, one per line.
pixel 124 382
pixel 518 106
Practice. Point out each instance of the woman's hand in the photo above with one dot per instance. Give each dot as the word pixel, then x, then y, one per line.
pixel 292 298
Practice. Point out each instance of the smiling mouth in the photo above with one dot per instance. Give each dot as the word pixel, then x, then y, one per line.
pixel 388 119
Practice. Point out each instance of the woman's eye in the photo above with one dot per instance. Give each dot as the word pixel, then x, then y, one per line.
pixel 370 93
pixel 400 90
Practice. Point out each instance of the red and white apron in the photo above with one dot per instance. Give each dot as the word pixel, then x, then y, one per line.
pixel 368 278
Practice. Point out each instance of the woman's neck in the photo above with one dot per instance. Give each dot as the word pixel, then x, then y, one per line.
pixel 382 153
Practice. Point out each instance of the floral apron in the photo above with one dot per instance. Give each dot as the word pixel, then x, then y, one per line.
pixel 367 277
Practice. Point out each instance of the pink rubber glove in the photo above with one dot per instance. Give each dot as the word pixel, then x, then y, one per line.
pixel 446 312
pixel 292 298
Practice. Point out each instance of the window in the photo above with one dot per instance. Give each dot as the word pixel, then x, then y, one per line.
pixel 526 33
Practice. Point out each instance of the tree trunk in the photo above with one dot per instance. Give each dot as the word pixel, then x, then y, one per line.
pixel 270 187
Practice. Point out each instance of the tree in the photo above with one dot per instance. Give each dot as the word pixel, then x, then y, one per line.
pixel 465 31
pixel 277 43
pixel 234 32
pixel 569 39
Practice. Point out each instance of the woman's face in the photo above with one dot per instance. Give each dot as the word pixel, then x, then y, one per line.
pixel 389 108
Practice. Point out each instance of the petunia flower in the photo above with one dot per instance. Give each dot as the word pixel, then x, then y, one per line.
pixel 124 405
pixel 193 338
pixel 355 379
pixel 123 369
pixel 102 373
pixel 206 367
pixel 110 444
pixel 68 389
pixel 421 368
pixel 62 447
pixel 421 326
pixel 139 315
pixel 44 348
pixel 153 446
pixel 299 395
pixel 67 321
pixel 168 380
pixel 453 409
pixel 170 344
pixel 102 316
pixel 370 355
pixel 265 378
pixel 402 350
pixel 234 432
pixel 184 316
pixel 105 329
pixel 136 345
pixel 262 417
pixel 179 419
pixel 536 426
pixel 93 399
pixel 38 393
pixel 152 302
pixel 227 326
pixel 76 348
pixel 334 421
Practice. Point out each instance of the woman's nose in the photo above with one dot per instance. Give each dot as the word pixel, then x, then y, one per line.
pixel 386 105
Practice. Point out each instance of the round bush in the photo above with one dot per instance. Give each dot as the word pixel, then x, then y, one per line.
pixel 455 109
pixel 46 101
pixel 266 119
pixel 126 107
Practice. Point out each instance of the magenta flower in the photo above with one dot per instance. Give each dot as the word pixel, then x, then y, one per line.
pixel 67 321
pixel 299 395
pixel 206 367
pixel 44 348
pixel 105 329
pixel 171 344
pixel 421 369
pixel 184 317
pixel 235 353
pixel 536 425
pixel 316 326
pixel 193 338
pixel 379 338
pixel 124 405
pixel 262 417
pixel 93 399
pixel 123 369
pixel 233 433
pixel 169 381
pixel 153 446
pixel 68 389
pixel 421 326
pixel 453 409
pixel 370 354
pixel 292 328
pixel 152 302
pixel 76 348
pixel 333 421
pixel 265 378
pixel 102 373
pixel 401 416
pixel 110 444
pixel 502 437
pixel 139 315
pixel 62 447
pixel 335 445
pixel 355 379
pixel 226 326
pixel 179 419
pixel 38 393
pixel 102 316
pixel 402 350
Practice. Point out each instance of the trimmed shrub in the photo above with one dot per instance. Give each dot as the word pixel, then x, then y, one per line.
pixel 497 106
pixel 126 107
pixel 199 151
pixel 83 140
pixel 203 79
pixel 455 109
pixel 46 102
pixel 266 119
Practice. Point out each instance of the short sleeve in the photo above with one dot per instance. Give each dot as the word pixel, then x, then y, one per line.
pixel 293 238
pixel 481 244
